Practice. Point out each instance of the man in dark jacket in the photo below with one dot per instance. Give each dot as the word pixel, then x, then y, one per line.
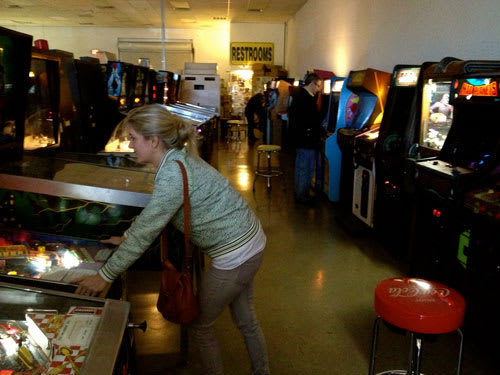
pixel 255 112
pixel 306 129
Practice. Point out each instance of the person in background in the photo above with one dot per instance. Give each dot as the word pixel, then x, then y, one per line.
pixel 307 131
pixel 255 112
pixel 222 225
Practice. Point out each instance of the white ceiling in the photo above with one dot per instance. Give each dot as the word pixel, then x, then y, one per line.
pixel 144 13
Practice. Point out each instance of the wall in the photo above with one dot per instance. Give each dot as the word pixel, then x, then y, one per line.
pixel 81 39
pixel 343 35
pixel 211 44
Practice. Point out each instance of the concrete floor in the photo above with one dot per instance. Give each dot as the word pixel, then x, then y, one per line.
pixel 313 294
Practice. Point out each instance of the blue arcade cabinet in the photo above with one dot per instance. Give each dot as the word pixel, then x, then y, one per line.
pixel 363 111
pixel 337 104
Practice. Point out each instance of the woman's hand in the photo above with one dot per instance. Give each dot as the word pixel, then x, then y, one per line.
pixel 90 285
pixel 114 240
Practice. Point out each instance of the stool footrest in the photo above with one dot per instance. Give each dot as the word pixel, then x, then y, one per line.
pixel 269 173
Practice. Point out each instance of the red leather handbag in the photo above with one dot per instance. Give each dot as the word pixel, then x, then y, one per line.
pixel 176 300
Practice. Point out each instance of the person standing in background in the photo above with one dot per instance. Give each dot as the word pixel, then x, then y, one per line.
pixel 255 112
pixel 305 126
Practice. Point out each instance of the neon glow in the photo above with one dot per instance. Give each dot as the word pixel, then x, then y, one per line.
pixel 490 89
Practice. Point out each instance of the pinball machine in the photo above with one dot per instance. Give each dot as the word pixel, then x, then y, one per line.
pixel 15 57
pixel 48 332
pixel 55 210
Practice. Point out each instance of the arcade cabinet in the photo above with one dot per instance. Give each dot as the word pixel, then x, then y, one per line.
pixel 331 150
pixel 430 123
pixel 96 120
pixel 120 78
pixel 42 128
pixel 390 217
pixel 363 108
pixel 141 85
pixel 167 87
pixel 15 57
pixel 469 155
pixel 365 143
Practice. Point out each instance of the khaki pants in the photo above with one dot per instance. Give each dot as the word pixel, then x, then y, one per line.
pixel 233 288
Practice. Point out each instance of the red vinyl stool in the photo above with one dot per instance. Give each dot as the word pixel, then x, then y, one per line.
pixel 420 307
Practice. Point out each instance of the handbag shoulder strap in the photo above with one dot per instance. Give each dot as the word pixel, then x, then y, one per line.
pixel 187 218
pixel 187 228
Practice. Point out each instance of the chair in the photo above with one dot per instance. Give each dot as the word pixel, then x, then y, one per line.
pixel 268 170
pixel 420 307
pixel 236 130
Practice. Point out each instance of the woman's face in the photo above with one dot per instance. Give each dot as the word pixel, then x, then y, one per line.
pixel 143 147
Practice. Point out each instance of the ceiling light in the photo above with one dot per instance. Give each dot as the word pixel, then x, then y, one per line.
pixel 221 18
pixel 23 22
pixel 180 5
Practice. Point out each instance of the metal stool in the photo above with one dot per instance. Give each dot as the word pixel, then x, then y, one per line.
pixel 235 130
pixel 268 171
pixel 419 307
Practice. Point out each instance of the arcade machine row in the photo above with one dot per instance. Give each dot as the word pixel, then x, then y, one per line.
pixel 396 110
pixel 15 57
pixel 55 211
pixel 390 213
pixel 467 162
pixel 48 332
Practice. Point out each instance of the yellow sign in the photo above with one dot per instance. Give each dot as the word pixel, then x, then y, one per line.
pixel 248 53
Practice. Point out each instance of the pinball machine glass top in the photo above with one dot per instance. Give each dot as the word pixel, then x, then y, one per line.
pixel 437 114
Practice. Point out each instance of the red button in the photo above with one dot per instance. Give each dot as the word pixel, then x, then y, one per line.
pixel 419 305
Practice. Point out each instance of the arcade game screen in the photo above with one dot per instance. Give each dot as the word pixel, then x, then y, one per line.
pixel 337 85
pixel 42 107
pixel 437 114
pixel 114 79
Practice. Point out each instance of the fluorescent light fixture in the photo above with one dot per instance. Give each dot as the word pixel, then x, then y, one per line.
pixel 180 5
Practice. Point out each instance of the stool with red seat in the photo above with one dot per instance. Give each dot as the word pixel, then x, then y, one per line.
pixel 420 307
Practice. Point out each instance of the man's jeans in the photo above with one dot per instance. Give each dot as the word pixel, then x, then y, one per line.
pixel 305 162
